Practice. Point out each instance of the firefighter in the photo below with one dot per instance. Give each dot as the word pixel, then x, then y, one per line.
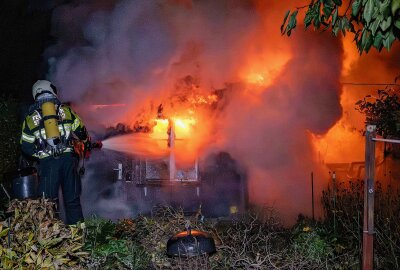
pixel 47 135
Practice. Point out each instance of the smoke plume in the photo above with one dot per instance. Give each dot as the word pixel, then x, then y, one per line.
pixel 130 52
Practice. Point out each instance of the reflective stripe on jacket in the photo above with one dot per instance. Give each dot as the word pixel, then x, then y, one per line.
pixel 34 135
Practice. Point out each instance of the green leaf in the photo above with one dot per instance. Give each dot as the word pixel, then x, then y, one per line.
pixel 387 42
pixel 338 2
pixel 284 20
pixel 384 7
pixel 375 13
pixel 308 19
pixel 355 7
pixel 364 39
pixel 395 6
pixel 335 16
pixel 292 22
pixel 293 16
pixel 369 42
pixel 344 25
pixel 336 29
pixel 386 34
pixel 4 232
pixel 317 15
pixel 378 40
pixel 368 10
pixel 397 24
pixel 386 23
pixel 327 11
pixel 328 3
pixel 374 25
pixel 317 22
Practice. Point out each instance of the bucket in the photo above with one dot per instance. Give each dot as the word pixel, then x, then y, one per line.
pixel 24 183
pixel 190 243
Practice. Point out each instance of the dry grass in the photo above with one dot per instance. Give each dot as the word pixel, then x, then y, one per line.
pixel 255 240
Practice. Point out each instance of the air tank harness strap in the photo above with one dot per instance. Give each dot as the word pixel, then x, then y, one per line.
pixel 43 143
pixel 66 141
pixel 47 117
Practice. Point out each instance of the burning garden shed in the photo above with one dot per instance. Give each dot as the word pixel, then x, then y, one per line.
pixel 155 161
pixel 127 185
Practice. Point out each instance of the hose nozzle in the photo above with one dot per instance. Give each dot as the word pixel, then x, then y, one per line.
pixel 97 144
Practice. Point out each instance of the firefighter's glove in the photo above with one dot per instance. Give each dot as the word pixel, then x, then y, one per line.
pixel 88 145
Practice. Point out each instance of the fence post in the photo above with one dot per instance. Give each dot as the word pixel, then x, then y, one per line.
pixel 312 196
pixel 334 202
pixel 369 194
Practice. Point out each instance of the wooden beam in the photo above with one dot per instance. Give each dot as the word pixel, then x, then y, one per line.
pixel 369 196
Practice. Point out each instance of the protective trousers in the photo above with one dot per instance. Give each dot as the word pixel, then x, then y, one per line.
pixel 62 170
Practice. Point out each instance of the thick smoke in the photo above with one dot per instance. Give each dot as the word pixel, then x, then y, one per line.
pixel 132 51
pixel 272 136
pixel 129 51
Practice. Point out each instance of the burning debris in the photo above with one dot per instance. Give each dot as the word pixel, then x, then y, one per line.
pixel 119 129
pixel 180 109
pixel 178 126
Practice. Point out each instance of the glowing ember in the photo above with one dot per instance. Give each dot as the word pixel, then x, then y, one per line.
pixel 200 99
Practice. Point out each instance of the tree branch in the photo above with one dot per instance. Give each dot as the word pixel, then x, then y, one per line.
pixel 348 7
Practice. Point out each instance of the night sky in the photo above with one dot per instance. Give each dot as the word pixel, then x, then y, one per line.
pixel 25 33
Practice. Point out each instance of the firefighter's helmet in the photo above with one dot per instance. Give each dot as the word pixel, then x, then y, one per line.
pixel 42 87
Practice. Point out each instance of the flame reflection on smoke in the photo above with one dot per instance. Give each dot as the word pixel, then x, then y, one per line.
pixel 288 96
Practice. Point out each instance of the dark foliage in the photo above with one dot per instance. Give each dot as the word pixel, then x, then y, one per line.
pixel 373 23
pixel 343 204
pixel 9 146
pixel 383 111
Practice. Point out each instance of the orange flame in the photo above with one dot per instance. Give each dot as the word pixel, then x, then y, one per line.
pixel 263 73
pixel 183 128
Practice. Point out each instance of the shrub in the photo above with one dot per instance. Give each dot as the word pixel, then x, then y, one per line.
pixel 312 240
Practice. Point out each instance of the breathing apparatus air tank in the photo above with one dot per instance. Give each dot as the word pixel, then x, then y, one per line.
pixel 50 120
pixel 46 91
